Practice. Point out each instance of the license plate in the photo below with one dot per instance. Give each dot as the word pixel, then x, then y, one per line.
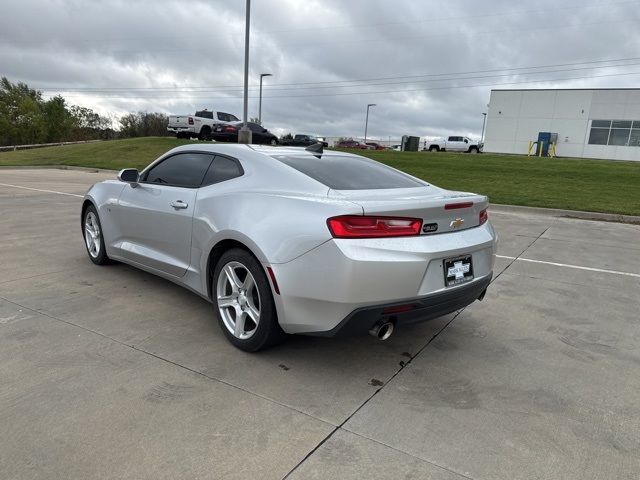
pixel 458 270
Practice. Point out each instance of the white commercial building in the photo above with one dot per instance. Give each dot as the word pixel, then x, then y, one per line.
pixel 600 123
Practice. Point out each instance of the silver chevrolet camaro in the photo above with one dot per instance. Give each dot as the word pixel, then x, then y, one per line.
pixel 292 240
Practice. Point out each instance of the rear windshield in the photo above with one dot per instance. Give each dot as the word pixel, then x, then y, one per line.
pixel 204 114
pixel 349 173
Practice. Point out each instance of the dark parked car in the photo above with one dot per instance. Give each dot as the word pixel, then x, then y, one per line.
pixel 303 141
pixel 353 144
pixel 229 133
pixel 376 146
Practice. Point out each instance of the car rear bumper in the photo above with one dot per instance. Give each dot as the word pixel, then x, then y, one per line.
pixel 333 282
pixel 362 320
pixel 181 129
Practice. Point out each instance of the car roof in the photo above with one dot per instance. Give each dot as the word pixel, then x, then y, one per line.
pixel 238 149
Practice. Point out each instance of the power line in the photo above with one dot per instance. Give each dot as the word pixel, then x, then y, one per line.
pixel 450 87
pixel 595 64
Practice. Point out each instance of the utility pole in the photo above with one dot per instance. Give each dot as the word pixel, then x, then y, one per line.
pixel 366 122
pixel 244 135
pixel 484 120
pixel 262 75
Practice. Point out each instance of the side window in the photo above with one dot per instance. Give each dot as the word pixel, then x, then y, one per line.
pixel 225 117
pixel 233 118
pixel 451 139
pixel 181 170
pixel 222 169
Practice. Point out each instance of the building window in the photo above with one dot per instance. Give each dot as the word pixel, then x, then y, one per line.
pixel 615 133
pixel 599 136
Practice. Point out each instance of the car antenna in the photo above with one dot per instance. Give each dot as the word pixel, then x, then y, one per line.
pixel 316 149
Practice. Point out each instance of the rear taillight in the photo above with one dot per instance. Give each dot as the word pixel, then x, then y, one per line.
pixel 356 226
pixel 484 216
pixel 190 121
pixel 229 128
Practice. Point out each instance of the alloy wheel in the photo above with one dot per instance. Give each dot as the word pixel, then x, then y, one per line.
pixel 92 234
pixel 238 300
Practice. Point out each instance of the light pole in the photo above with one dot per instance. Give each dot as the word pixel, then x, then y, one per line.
pixel 484 120
pixel 262 75
pixel 366 122
pixel 244 135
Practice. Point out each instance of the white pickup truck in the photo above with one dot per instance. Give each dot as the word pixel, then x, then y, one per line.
pixel 453 144
pixel 200 125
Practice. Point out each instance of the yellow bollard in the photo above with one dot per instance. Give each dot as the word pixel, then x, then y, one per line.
pixel 529 150
pixel 541 148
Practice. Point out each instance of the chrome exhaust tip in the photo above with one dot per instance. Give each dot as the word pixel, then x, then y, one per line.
pixel 382 330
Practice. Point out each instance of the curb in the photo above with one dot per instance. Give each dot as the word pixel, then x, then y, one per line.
pixel 556 212
pixel 57 167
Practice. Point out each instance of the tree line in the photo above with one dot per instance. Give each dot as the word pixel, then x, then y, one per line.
pixel 27 118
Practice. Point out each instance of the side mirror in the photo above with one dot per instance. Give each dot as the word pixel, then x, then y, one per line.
pixel 466 141
pixel 129 175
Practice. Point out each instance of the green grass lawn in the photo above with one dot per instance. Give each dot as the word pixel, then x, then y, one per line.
pixel 574 184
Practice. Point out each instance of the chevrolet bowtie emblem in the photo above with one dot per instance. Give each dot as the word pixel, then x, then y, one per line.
pixel 457 223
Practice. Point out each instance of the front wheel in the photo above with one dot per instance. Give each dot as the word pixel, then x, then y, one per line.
pixel 244 302
pixel 273 142
pixel 93 238
pixel 473 150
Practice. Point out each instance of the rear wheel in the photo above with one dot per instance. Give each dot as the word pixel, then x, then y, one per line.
pixel 93 238
pixel 205 133
pixel 434 148
pixel 273 142
pixel 244 302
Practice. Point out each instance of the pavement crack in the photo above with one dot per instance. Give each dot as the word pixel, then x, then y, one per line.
pixel 515 259
pixel 137 349
pixel 409 454
pixel 403 365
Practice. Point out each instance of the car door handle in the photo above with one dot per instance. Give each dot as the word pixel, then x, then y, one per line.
pixel 179 204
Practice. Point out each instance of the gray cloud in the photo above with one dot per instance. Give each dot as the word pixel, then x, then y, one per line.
pixel 176 56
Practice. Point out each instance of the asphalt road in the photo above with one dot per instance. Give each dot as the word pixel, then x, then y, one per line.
pixel 109 372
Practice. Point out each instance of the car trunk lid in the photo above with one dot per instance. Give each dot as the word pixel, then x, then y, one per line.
pixel 441 210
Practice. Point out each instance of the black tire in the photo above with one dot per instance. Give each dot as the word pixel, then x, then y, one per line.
pixel 267 332
pixel 434 148
pixel 473 149
pixel 100 257
pixel 273 142
pixel 205 133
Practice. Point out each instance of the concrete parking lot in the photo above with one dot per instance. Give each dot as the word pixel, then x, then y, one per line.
pixel 109 372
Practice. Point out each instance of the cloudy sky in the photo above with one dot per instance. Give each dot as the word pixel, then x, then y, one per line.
pixel 428 65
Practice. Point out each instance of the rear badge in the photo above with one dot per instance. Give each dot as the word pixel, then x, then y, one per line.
pixel 430 227
pixel 457 223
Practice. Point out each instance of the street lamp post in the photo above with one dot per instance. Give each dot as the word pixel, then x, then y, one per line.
pixel 366 122
pixel 484 120
pixel 244 135
pixel 262 75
